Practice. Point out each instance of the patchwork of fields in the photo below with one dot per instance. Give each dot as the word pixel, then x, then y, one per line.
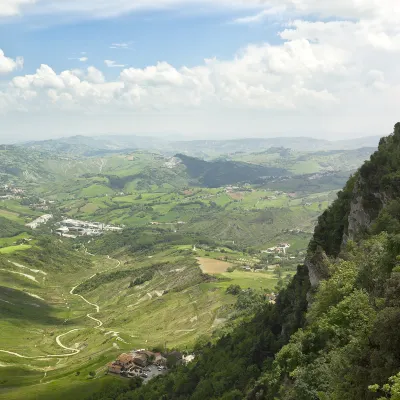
pixel 67 307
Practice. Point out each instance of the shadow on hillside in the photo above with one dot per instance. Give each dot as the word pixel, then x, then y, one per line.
pixel 17 305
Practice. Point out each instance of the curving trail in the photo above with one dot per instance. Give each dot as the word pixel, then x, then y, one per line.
pixel 96 306
pixel 65 347
pixel 75 351
pixel 100 323
pixel 85 300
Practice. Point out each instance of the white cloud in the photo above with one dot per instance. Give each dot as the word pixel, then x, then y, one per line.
pixel 113 64
pixel 121 46
pixel 324 76
pixel 8 65
pixel 9 8
pixel 366 9
pixel 261 16
pixel 94 75
pixel 314 70
pixel 81 59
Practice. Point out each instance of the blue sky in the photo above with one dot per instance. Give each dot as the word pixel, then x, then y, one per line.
pixel 184 38
pixel 201 68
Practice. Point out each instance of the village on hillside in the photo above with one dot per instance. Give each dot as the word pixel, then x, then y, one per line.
pixel 281 248
pixel 72 228
pixel 146 364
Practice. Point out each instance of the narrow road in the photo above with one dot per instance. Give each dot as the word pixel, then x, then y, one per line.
pixel 100 323
pixel 58 341
pixel 58 338
pixel 96 306
pixel 88 302
pixel 65 347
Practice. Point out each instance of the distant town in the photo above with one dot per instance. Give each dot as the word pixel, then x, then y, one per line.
pixel 72 228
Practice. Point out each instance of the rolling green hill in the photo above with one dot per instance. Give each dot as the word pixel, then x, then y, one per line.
pixel 18 165
pixel 69 306
pixel 309 162
pixel 205 149
pixel 9 228
pixel 333 333
pixel 221 173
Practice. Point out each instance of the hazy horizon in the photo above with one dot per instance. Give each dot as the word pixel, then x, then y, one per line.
pixel 181 137
pixel 223 68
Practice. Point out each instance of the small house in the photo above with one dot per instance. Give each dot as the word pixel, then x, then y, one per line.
pixel 114 368
pixel 140 359
pixel 125 360
pixel 159 359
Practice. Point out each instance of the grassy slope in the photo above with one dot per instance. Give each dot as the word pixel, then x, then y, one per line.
pixel 30 325
pixel 141 317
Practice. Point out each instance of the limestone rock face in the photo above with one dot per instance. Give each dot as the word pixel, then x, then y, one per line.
pixel 317 266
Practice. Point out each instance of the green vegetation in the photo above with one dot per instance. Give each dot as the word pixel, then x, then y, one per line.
pixel 13 249
pixel 10 228
pixel 68 307
pixel 220 173
pixel 336 340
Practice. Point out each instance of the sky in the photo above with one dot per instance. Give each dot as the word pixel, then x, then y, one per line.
pixel 199 68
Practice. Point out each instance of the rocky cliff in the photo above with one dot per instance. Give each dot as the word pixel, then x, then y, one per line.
pixel 358 206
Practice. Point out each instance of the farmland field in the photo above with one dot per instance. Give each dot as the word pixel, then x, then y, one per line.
pixel 211 266
pixel 68 307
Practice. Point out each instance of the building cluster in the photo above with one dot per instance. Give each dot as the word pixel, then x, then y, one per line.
pixel 146 364
pixel 294 231
pixel 173 162
pixel 230 189
pixel 279 249
pixel 167 223
pixel 136 362
pixel 73 228
pixel 8 192
pixel 39 221
pixel 42 204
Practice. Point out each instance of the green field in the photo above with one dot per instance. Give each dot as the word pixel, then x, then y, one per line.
pixel 249 280
pixel 143 288
pixel 13 249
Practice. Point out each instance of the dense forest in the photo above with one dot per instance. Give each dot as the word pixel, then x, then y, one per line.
pixel 337 339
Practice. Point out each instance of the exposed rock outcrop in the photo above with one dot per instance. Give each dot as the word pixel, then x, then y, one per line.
pixel 317 265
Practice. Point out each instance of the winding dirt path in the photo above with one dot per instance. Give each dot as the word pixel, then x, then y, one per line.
pixel 96 306
pixel 58 338
pixel 58 341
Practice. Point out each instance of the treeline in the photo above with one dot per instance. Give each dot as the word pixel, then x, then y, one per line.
pixel 49 253
pixel 138 276
pixel 10 228
pixel 136 240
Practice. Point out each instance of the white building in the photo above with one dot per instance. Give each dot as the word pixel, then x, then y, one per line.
pixel 39 221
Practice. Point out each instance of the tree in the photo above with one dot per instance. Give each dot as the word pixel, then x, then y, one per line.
pixel 135 383
pixel 234 289
pixel 390 390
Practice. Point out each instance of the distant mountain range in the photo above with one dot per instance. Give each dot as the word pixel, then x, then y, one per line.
pixel 206 149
